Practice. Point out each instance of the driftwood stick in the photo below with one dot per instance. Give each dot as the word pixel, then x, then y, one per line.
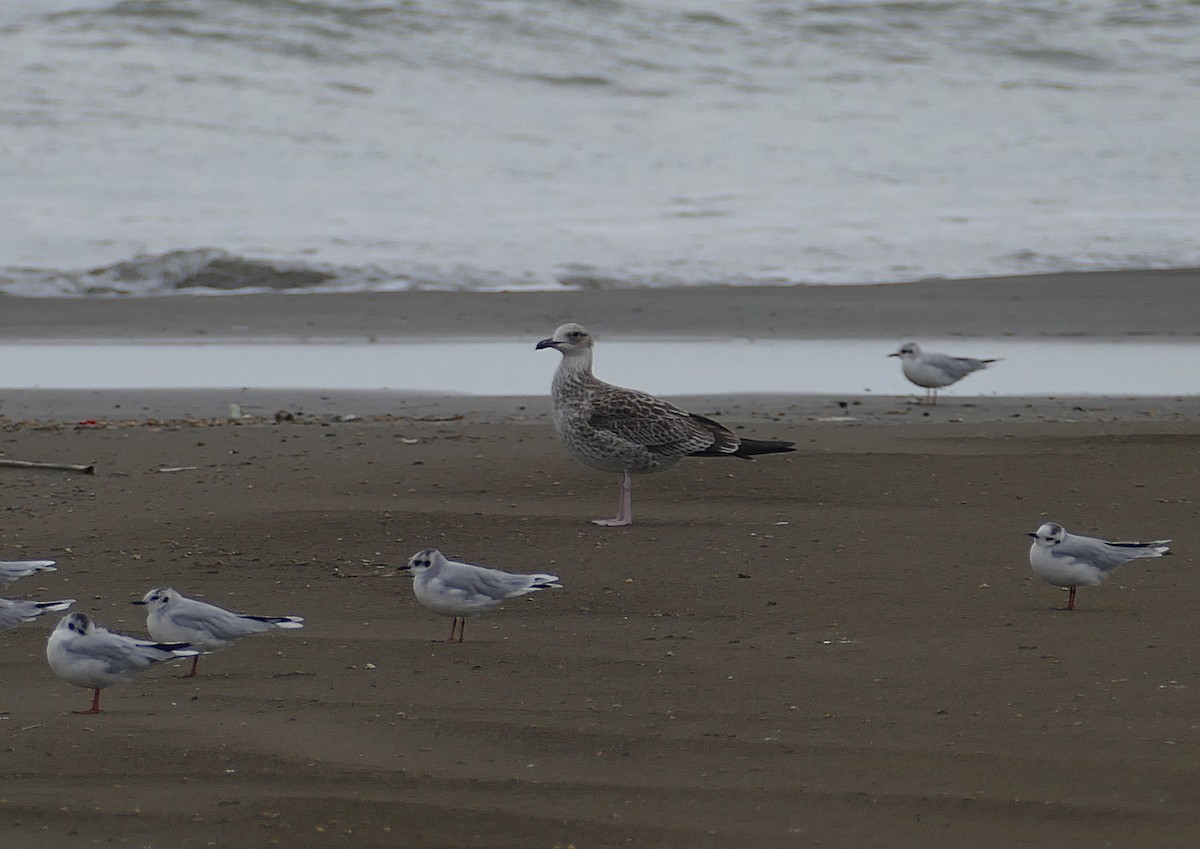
pixel 62 467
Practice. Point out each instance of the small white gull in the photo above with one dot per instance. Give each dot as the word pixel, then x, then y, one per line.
pixel 173 617
pixel 1069 560
pixel 623 430
pixel 84 654
pixel 15 611
pixel 932 371
pixel 460 590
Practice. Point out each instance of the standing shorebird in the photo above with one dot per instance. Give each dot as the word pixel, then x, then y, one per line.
pixel 460 590
pixel 173 616
pixel 1069 560
pixel 623 430
pixel 932 371
pixel 82 653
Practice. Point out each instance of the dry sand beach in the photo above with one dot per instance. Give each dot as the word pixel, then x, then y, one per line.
pixel 838 647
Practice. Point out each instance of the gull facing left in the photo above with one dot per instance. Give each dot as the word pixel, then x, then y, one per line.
pixel 932 371
pixel 460 590
pixel 1069 560
pixel 623 430
pixel 84 654
pixel 173 616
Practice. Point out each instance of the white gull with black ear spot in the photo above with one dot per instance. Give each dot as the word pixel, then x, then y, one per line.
pixel 173 616
pixel 459 589
pixel 932 371
pixel 1070 560
pixel 84 654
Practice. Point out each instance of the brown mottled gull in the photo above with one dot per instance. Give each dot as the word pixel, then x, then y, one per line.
pixel 622 430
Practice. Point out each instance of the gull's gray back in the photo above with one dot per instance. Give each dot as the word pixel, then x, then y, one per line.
pixel 1105 556
pixel 956 367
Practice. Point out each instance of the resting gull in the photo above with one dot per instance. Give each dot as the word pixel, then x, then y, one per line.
pixel 84 654
pixel 623 430
pixel 933 371
pixel 173 617
pixel 461 589
pixel 1068 560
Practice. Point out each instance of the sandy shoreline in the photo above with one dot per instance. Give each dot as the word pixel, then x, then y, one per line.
pixel 839 647
pixel 1107 304
pixel 824 648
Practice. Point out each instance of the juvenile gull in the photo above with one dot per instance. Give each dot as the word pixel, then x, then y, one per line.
pixel 933 371
pixel 1069 560
pixel 172 616
pixel 11 570
pixel 460 590
pixel 623 430
pixel 15 611
pixel 87 655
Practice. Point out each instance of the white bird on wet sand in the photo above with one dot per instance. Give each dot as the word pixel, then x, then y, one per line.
pixel 1069 560
pixel 84 654
pixel 932 371
pixel 15 611
pixel 172 616
pixel 623 430
pixel 11 570
pixel 461 589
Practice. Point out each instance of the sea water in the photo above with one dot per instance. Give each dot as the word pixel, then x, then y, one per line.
pixel 682 367
pixel 184 146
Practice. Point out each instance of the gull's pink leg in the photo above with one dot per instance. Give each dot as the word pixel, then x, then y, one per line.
pixel 195 663
pixel 624 506
pixel 462 628
pixel 1071 599
pixel 95 708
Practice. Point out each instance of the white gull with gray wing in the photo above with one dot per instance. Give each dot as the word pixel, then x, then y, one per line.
pixel 459 589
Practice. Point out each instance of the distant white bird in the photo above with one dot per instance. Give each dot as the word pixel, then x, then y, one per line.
pixel 461 589
pixel 623 430
pixel 933 371
pixel 1069 560
pixel 173 616
pixel 15 611
pixel 87 655
pixel 11 570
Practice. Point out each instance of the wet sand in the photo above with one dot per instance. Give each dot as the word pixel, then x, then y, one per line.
pixel 839 647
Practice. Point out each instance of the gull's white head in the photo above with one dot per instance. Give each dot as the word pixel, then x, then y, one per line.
pixel 424 560
pixel 76 623
pixel 1049 535
pixel 158 598
pixel 909 351
pixel 570 340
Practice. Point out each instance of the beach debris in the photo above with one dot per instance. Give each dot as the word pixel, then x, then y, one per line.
pixel 169 469
pixel 88 469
